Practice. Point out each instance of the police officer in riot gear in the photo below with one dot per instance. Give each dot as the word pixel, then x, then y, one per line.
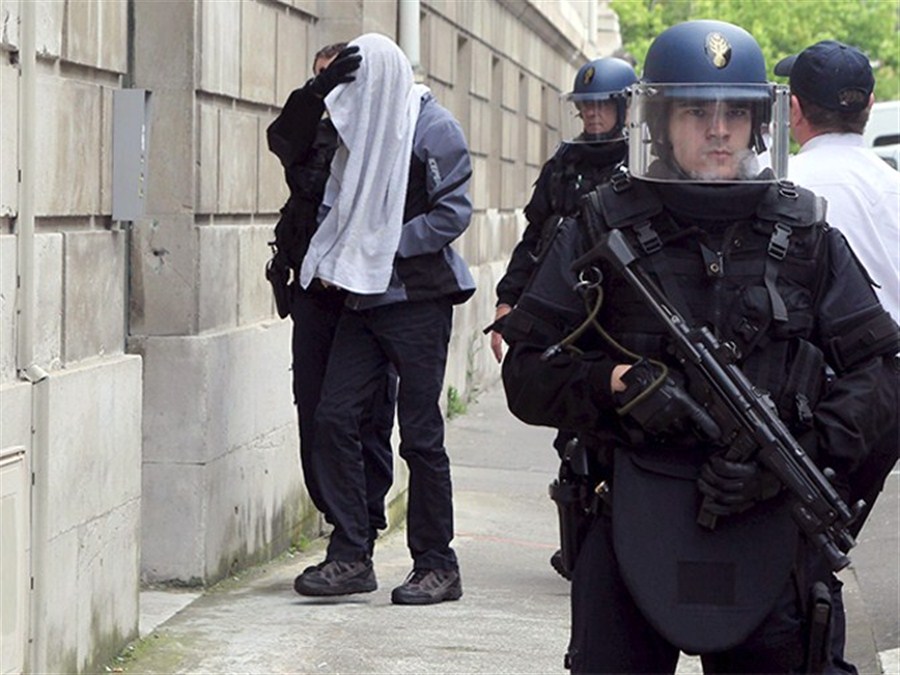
pixel 750 258
pixel 592 121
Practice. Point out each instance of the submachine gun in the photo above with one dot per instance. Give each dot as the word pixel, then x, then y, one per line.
pixel 747 418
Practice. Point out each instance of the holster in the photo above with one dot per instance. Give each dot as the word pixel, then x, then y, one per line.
pixel 818 640
pixel 572 492
pixel 279 275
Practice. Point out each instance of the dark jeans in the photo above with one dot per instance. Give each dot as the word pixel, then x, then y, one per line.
pixel 413 336
pixel 315 317
pixel 611 635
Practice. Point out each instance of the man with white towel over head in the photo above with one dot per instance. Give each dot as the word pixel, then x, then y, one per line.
pixel 397 197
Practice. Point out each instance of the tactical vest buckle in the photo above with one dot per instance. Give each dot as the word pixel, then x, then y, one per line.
pixel 619 182
pixel 778 243
pixel 787 189
pixel 648 238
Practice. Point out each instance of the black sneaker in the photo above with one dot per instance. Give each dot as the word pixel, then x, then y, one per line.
pixel 556 561
pixel 337 577
pixel 427 587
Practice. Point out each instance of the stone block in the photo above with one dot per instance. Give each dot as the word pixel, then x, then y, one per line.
pixel 172 522
pixel 68 147
pixel 481 68
pixel 533 152
pixel 295 50
pixel 509 127
pixel 165 45
pixel 57 620
pixel 273 190
pixel 442 47
pixel 254 292
pixel 106 151
pixel 256 505
pixel 218 278
pixel 94 292
pixel 8 318
pixel 239 147
pixel 108 569
pixel 258 51
pixel 47 306
pixel 509 93
pixel 94 441
pixel 164 269
pixel 170 155
pixel 49 28
pixel 97 34
pixel 478 187
pixel 509 190
pixel 208 165
pixel 9 138
pixel 220 57
pixel 9 23
pixel 48 249
pixel 15 414
pixel 233 386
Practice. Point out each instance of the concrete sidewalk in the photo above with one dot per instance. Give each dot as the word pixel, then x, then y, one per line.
pixel 513 616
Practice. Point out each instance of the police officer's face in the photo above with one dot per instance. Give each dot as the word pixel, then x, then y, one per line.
pixel 710 139
pixel 598 117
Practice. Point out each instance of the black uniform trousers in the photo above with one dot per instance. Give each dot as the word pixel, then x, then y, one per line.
pixel 414 337
pixel 611 635
pixel 315 315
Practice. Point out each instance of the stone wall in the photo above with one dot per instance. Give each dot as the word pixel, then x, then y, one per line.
pixel 81 425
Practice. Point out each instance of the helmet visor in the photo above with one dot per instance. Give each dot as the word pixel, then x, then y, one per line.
pixel 708 133
pixel 591 118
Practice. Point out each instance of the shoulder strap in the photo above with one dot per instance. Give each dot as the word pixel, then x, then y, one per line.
pixel 622 203
pixel 789 208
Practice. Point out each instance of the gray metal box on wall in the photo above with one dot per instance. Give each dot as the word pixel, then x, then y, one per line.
pixel 130 142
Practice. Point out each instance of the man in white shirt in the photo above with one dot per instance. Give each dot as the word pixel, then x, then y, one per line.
pixel 831 95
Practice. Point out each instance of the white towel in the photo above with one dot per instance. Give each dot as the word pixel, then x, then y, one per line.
pixel 375 116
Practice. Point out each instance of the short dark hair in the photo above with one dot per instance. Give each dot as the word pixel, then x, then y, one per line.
pixel 328 51
pixel 834 121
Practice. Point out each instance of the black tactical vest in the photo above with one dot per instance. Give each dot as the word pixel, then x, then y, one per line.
pixel 754 280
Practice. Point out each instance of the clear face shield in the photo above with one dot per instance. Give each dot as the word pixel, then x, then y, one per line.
pixel 709 133
pixel 591 118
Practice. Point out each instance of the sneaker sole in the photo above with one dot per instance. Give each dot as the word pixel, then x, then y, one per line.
pixel 350 588
pixel 452 594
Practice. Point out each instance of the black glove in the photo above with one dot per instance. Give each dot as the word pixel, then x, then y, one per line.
pixel 733 487
pixel 666 409
pixel 339 71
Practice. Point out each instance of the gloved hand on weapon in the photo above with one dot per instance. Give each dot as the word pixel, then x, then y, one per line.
pixel 733 487
pixel 657 402
pixel 339 71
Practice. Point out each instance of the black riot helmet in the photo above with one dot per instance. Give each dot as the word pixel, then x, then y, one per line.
pixel 598 83
pixel 704 108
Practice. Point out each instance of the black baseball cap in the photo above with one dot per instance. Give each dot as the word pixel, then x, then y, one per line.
pixel 830 74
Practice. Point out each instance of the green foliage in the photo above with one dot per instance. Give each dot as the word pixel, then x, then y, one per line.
pixel 456 404
pixel 781 27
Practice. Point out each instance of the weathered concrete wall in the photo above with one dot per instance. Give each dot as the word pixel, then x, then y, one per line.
pixel 81 426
